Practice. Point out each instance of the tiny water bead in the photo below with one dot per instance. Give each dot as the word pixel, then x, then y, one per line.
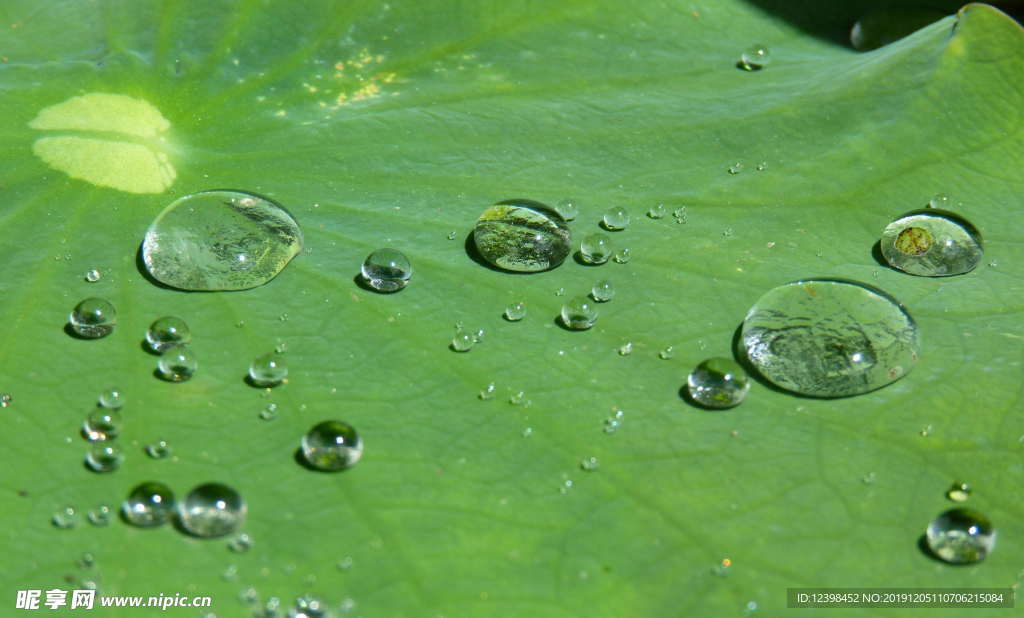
pixel 5 400
pixel 932 243
pixel 941 201
pixel 332 446
pixel 93 318
pixel 102 424
pixel 269 413
pixel 579 313
pixel 626 349
pixel 522 236
pixel 463 341
pixel 568 208
pixel 65 518
pixel 93 275
pixel 615 218
pixel 959 492
pixel 961 536
pixel 112 399
pixel 518 398
pixel 596 249
pixel 830 337
pixel 268 370
pixel 667 353
pixel 487 392
pixel 159 449
pixel 718 383
pixel 515 311
pixel 754 58
pixel 167 331
pixel 177 363
pixel 386 270
pixel 735 168
pixel 148 505
pixel 657 211
pixel 104 457
pixel 100 516
pixel 589 464
pixel 603 291
pixel 220 240
pixel 212 510
pixel 241 543
pixel 623 256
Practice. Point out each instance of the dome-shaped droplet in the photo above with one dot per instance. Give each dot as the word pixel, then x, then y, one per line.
pixel 596 249
pixel 961 536
pixel 932 242
pixel 603 291
pixel 332 446
pixel 522 236
pixel 515 311
pixel 718 383
pixel 150 504
pixel 112 399
pixel 104 457
pixel 754 58
pixel 615 218
pixel 268 370
pixel 167 331
pixel 830 338
pixel 177 363
pixel 386 270
pixel 568 208
pixel 220 240
pixel 102 424
pixel 212 510
pixel 579 313
pixel 93 318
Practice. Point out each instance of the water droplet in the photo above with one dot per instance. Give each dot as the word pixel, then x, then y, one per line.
pixel 283 317
pixel 93 318
pixel 102 424
pixel 211 510
pixel 528 432
pixel 92 276
pixel 463 341
pixel 596 249
pixel 269 413
pixel 452 235
pixel 623 256
pixel 159 449
pixel 112 399
pixel 386 270
pixel 961 536
pixel 522 236
pixel 718 383
pixel 104 457
pixel 230 573
pixel 762 166
pixel 65 518
pixel 560 292
pixel 579 313
pixel 345 563
pixel 167 331
pixel 347 604
pixel 565 487
pixel 941 201
pixel 519 399
pixel 626 349
pixel 729 233
pixel 487 393
pixel 332 446
pixel 248 595
pixel 5 400
pixel 87 561
pixel 515 311
pixel 281 348
pixel 750 608
pixel 271 609
pixel 603 291
pixel 568 208
pixel 100 516
pixel 613 422
pixel 268 370
pixel 735 168
pixel 615 218
pixel 177 363
pixel 667 353
pixel 830 338
pixel 959 491
pixel 932 243
pixel 241 543
pixel 679 214
pixel 148 505
pixel 869 478
pixel 308 606
pixel 926 431
pixel 754 58
pixel 657 211
pixel 220 240
pixel 589 464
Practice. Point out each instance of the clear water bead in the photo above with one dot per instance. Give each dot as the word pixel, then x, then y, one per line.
pixel 93 318
pixel 167 331
pixel 93 275
pixel 959 492
pixel 522 236
pixel 754 58
pixel 657 211
pixel 100 516
pixel 268 370
pixel 487 393
pixel 589 464
pixel 579 313
pixel 623 256
pixel 568 208
pixel 332 446
pixel 615 218
pixel 667 353
pixel 269 413
pixel 159 449
pixel 932 243
pixel 65 518
pixel 386 270
pixel 177 363
pixel 961 536
pixel 102 424
pixel 241 543
pixel 626 349
pixel 830 337
pixel 212 510
pixel 112 399
pixel 148 505
pixel 220 240
pixel 5 400
pixel 104 457
pixel 603 291
pixel 718 383
pixel 941 201
pixel 515 311
pixel 596 249
pixel 463 341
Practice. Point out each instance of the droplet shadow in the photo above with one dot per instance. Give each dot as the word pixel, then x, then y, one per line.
pixel 876 254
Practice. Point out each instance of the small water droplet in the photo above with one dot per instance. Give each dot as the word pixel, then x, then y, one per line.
pixel 148 505
pixel 177 363
pixel 248 595
pixel 754 58
pixel 240 543
pixel 565 487
pixel 332 446
pixel 932 243
pixel 718 383
pixel 519 399
pixel 735 168
pixel 993 264
pixel 347 605
pixel 657 211
pixel 104 457
pixel 579 313
pixel 269 413
pixel 750 608
pixel 487 393
pixel 112 399
pixel 762 166
pixel 615 218
pixel 93 318
pixel 961 536
pixel 268 370
pixel 626 349
pixel 5 400
pixel 568 208
pixel 159 449
pixel 560 292
pixel 308 606
pixel 463 341
pixel 87 561
pixel 926 431
pixel 679 214
pixel 596 249
pixel 230 573
pixel 386 270
pixel 65 518
pixel 281 348
pixel 167 331
pixel 527 432
pixel 515 311
pixel 940 200
pixel 452 235
pixel 92 276
pixel 589 463
pixel 212 510
pixel 283 317
pixel 345 563
pixel 102 424
pixel 722 568
pixel 100 516
pixel 667 353
pixel 869 478
pixel 728 233
pixel 522 236
pixel 959 491
pixel 623 256
pixel 602 291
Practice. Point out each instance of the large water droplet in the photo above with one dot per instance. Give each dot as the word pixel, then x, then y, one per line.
pixel 603 291
pixel 463 341
pixel 212 510
pixel 568 208
pixel 515 311
pixel 148 505
pixel 102 424
pixel 104 457
pixel 657 211
pixel 615 218
pixel 112 399
pixel 268 370
pixel 718 383
pixel 167 331
pixel 93 318
pixel 332 446
pixel 830 337
pixel 961 536
pixel 522 236
pixel 177 363
pixel 220 240
pixel 596 249
pixel 386 270
pixel 932 243
pixel 579 313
